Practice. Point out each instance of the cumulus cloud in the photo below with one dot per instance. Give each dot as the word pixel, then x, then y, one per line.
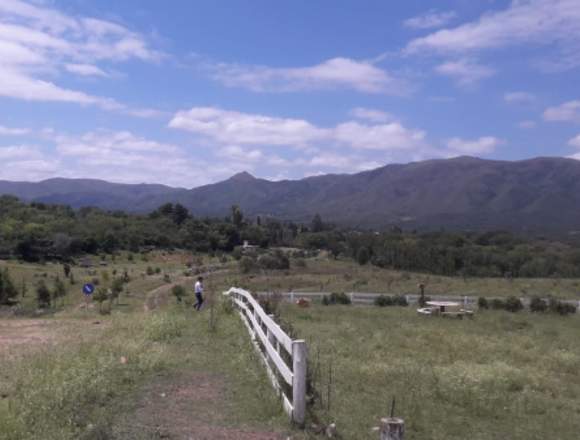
pixel 430 20
pixel 335 73
pixel 466 72
pixel 370 114
pixel 231 127
pixel 26 162
pixel 483 145
pixel 524 22
pixel 36 40
pixel 575 142
pixel 566 112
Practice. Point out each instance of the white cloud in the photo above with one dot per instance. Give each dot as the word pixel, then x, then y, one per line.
pixel 430 20
pixel 336 73
pixel 370 114
pixel 519 97
pixel 553 23
pixel 566 112
pixel 527 124
pixel 231 127
pixel 8 131
pixel 36 40
pixel 466 72
pixel 26 163
pixel 575 142
pixel 86 70
pixel 483 145
pixel 390 136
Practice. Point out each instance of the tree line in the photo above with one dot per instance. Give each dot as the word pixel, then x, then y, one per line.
pixel 38 232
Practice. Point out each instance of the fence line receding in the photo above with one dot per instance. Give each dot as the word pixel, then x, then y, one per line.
pixel 285 358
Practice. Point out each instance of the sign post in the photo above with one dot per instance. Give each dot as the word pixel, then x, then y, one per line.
pixel 88 290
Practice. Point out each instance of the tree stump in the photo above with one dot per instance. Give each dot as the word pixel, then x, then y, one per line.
pixel 392 428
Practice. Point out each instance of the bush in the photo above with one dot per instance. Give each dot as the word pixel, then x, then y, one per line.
pixel 383 301
pixel 513 304
pixel 336 298
pixel 401 300
pixel 166 278
pixel 178 292
pixel 276 261
pixel 538 305
pixel 150 271
pixel 497 304
pixel 561 308
pixel 482 303
pixel 247 264
pixel 43 297
pixel 363 256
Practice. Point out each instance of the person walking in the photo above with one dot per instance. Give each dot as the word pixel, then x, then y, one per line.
pixel 198 288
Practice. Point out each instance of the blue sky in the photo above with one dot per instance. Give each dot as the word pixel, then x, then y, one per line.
pixel 187 93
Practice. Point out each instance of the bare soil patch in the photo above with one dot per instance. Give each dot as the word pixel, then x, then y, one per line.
pixel 189 406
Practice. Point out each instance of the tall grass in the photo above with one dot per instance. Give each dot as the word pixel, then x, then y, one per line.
pixel 70 393
pixel 497 376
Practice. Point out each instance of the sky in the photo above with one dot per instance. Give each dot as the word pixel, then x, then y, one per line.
pixel 187 93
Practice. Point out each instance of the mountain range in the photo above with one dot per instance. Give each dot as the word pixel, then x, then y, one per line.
pixel 541 194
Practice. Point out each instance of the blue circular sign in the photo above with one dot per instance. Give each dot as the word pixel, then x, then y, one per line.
pixel 88 289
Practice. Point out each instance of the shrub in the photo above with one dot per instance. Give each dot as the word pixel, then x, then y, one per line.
pixel 401 300
pixel 482 303
pixel 538 305
pixel 383 301
pixel 247 264
pixel 166 278
pixel 178 292
pixel 497 304
pixel 336 298
pixel 150 271
pixel 363 256
pixel 277 261
pixel 561 308
pixel 43 296
pixel 513 304
pixel 157 270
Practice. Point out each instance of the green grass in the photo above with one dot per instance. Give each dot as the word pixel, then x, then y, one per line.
pixel 499 376
pixel 346 276
pixel 80 390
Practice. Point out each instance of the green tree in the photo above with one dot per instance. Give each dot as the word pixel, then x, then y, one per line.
pixel 317 224
pixel 43 296
pixel 363 256
pixel 237 216
pixel 8 291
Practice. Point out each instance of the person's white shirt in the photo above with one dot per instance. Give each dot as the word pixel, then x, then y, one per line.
pixel 198 287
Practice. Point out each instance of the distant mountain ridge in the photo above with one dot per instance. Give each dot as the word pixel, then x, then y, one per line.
pixel 541 194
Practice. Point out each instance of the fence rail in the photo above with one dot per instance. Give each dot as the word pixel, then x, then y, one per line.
pixel 285 358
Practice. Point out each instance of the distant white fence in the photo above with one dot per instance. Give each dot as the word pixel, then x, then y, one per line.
pixel 271 342
pixel 369 298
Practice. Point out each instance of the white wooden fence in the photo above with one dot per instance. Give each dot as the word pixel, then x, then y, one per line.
pixel 271 342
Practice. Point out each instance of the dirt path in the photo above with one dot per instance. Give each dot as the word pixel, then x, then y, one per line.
pixel 161 296
pixel 189 406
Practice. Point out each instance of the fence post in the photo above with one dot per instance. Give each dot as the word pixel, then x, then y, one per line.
pixel 300 364
pixel 392 428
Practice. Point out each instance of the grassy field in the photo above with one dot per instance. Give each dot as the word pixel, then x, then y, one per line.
pixel 346 276
pixel 499 376
pixel 88 387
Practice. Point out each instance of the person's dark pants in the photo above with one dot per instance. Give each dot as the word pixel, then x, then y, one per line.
pixel 199 302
